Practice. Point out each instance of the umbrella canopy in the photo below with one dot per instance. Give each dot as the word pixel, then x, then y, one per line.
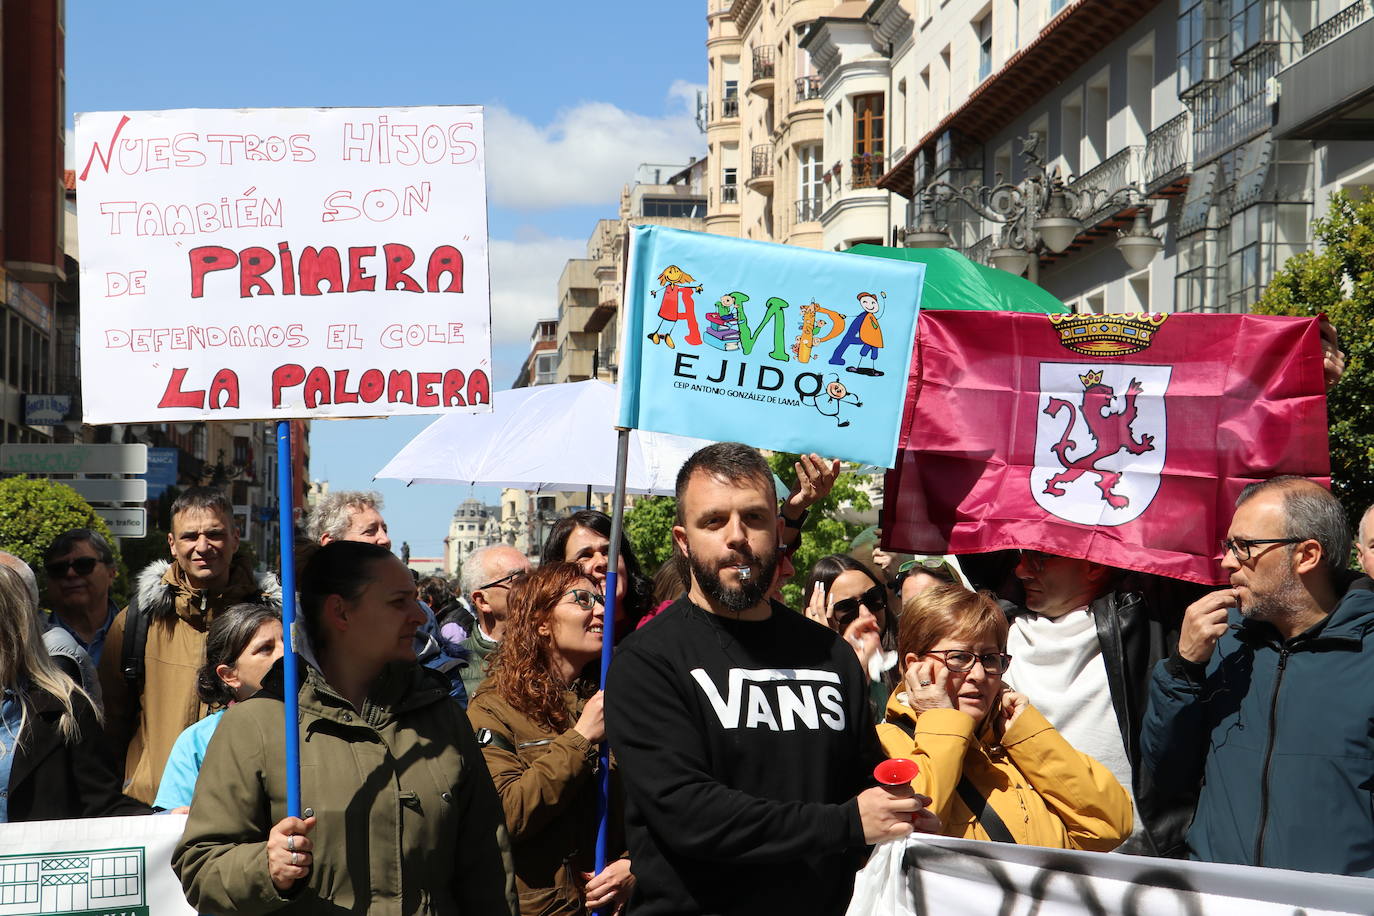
pixel 955 282
pixel 548 437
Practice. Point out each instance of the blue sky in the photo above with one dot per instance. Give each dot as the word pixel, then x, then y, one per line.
pixel 576 96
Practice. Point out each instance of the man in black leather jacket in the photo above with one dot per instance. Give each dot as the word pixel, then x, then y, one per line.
pixel 1084 625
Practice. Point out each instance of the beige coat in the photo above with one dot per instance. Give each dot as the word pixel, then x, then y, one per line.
pixel 175 652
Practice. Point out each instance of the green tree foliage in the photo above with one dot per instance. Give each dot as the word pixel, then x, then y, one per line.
pixel 649 525
pixel 34 512
pixel 824 533
pixel 1338 279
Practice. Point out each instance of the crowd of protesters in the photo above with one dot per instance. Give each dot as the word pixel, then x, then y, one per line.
pixel 1046 700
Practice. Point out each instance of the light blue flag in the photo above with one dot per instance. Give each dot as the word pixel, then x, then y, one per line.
pixel 779 347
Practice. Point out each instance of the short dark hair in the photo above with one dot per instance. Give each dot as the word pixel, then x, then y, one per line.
pixel 732 461
pixel 639 591
pixel 228 638
pixel 203 498
pixel 1309 511
pixel 64 542
pixel 341 568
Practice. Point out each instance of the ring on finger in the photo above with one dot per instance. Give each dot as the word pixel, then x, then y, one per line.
pixel 291 843
pixel 925 683
pixel 295 857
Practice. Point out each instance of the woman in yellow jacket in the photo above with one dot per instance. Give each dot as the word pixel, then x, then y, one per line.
pixel 992 764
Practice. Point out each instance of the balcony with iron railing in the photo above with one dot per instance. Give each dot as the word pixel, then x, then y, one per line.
pixel 808 209
pixel 1337 25
pixel 764 69
pixel 1168 154
pixel 761 166
pixel 865 169
pixel 1234 109
pixel 1098 185
pixel 980 251
pixel 808 87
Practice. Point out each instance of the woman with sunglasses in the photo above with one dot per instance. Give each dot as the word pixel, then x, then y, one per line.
pixel 846 596
pixel 539 722
pixel 398 811
pixel 994 767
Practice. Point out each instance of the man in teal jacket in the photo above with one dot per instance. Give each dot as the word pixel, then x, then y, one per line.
pixel 1269 700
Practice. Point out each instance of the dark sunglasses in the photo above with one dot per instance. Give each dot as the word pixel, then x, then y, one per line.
pixel 504 581
pixel 585 599
pixel 84 566
pixel 846 610
pixel 960 661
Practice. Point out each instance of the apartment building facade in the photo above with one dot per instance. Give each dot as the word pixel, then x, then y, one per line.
pixel 765 131
pixel 1226 124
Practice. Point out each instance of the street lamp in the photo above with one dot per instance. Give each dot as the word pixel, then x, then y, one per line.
pixel 1041 209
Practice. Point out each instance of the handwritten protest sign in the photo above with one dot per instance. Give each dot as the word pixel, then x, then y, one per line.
pixel 276 263
pixel 944 876
pixel 776 346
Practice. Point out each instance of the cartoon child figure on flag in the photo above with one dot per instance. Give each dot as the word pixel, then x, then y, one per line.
pixel 835 394
pixel 867 333
pixel 677 304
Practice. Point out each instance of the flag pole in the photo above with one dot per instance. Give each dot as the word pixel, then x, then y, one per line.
pixel 622 460
pixel 291 687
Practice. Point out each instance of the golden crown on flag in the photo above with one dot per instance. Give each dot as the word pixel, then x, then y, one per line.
pixel 1107 335
pixel 1091 377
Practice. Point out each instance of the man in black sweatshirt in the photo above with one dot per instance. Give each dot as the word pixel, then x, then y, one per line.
pixel 742 730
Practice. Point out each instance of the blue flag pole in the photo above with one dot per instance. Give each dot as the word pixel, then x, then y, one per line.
pixel 288 617
pixel 622 460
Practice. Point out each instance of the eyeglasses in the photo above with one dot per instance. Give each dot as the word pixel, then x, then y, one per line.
pixel 505 581
pixel 83 566
pixel 846 610
pixel 958 660
pixel 1034 560
pixel 585 599
pixel 1244 548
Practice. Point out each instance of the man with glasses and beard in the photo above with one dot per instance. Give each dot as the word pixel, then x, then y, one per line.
pixel 1268 700
pixel 741 729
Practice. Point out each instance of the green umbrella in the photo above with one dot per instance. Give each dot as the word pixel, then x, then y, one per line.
pixel 955 282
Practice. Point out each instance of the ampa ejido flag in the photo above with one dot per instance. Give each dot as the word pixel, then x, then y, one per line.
pixel 1121 438
pixel 780 347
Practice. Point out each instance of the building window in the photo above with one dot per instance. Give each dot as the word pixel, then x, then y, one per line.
pixel 983 28
pixel 1056 6
pixel 658 208
pixel 729 185
pixel 810 171
pixel 868 139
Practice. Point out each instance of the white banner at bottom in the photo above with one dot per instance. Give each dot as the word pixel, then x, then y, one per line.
pixel 942 876
pixel 103 866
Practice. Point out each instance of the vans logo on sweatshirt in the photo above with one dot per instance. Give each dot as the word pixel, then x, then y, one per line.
pixel 779 699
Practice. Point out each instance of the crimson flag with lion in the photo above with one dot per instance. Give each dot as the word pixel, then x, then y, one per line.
pixel 1118 438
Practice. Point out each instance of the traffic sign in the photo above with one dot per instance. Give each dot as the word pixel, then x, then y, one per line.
pixel 116 490
pixel 73 459
pixel 125 523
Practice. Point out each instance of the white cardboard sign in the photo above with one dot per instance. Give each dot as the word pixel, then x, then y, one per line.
pixel 278 263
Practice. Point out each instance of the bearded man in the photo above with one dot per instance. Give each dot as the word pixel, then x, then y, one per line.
pixel 742 729
pixel 1267 701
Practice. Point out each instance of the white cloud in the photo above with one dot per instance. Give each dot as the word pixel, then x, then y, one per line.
pixel 587 153
pixel 524 283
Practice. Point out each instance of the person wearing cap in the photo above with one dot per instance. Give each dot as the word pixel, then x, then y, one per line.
pixel 920 573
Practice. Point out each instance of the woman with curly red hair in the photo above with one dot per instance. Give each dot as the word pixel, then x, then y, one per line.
pixel 538 719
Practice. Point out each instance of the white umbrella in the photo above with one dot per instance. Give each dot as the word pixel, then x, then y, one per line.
pixel 549 437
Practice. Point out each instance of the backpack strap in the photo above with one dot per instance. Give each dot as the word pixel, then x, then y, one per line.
pixel 975 801
pixel 132 652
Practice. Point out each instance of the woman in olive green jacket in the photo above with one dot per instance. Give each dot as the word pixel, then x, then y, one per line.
pixel 402 815
pixel 539 726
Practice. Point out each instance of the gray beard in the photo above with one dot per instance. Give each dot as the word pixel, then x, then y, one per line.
pixel 1278 604
pixel 736 600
